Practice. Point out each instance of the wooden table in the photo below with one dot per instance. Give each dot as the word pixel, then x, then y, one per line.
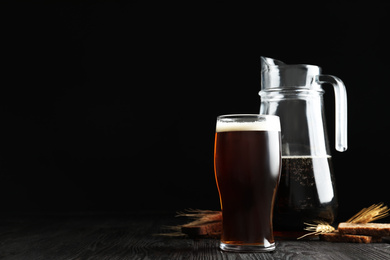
pixel 131 236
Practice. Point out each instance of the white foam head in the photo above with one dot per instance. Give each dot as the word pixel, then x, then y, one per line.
pixel 262 123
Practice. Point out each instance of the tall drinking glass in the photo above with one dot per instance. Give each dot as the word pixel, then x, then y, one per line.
pixel 247 164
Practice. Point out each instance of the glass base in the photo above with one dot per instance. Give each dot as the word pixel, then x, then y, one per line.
pixel 247 248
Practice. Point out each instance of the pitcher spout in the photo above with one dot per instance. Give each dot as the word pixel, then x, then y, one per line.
pixel 267 62
pixel 276 74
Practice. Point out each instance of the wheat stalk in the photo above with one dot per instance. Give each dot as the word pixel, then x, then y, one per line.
pixel 372 213
pixel 201 216
pixel 319 228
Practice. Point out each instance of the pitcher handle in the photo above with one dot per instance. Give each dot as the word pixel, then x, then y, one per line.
pixel 340 94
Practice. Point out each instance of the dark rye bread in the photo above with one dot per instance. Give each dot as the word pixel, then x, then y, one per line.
pixel 337 237
pixel 213 229
pixel 369 229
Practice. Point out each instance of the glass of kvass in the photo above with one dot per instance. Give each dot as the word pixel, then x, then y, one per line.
pixel 247 163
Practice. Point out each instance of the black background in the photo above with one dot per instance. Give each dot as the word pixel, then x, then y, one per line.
pixel 111 105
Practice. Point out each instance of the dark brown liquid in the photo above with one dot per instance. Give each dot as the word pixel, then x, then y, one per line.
pixel 247 169
pixel 306 193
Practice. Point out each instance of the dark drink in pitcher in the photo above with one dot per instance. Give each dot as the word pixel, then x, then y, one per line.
pixel 306 192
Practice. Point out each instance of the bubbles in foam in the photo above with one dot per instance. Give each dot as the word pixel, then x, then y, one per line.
pixel 270 124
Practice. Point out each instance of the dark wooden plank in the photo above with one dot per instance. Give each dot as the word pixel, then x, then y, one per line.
pixel 132 237
pixel 326 250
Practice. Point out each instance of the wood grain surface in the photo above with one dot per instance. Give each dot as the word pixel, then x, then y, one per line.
pixel 132 236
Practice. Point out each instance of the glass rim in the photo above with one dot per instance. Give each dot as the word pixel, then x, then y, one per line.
pixel 242 116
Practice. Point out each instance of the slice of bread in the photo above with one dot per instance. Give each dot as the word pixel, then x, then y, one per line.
pixel 337 237
pixel 213 229
pixel 369 229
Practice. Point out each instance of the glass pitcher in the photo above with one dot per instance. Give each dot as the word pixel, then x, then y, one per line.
pixel 306 192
